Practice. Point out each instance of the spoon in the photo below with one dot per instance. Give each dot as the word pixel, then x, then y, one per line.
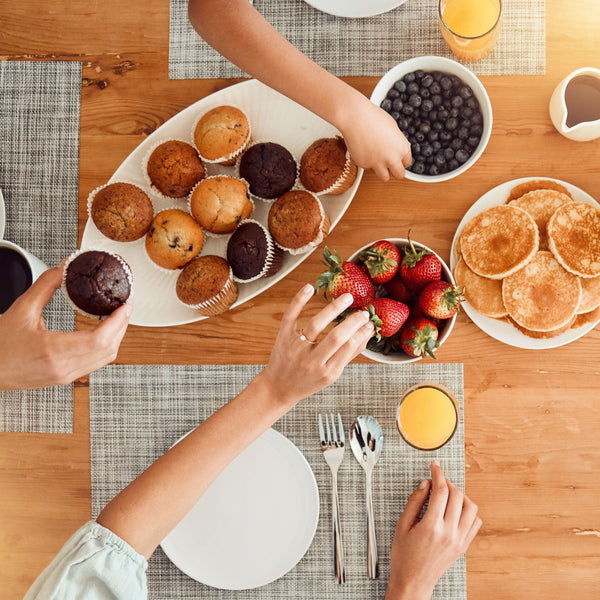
pixel 366 441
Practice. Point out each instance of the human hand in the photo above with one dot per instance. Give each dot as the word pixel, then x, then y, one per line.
pixel 374 139
pixel 298 368
pixel 424 550
pixel 33 357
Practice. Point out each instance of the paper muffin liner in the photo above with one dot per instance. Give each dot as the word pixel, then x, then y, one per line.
pixel 213 234
pixel 175 269
pixel 273 260
pixel 323 230
pixel 144 165
pixel 63 285
pixel 230 159
pixel 92 195
pixel 263 141
pixel 218 303
pixel 342 183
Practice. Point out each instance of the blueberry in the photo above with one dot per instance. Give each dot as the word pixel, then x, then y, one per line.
pixel 435 88
pixel 424 93
pixel 442 114
pixel 411 130
pixel 465 92
pixel 415 100
pixel 402 122
pixel 456 81
pixel 462 133
pixel 426 150
pixel 425 128
pixel 427 106
pixel 433 115
pixel 454 112
pixel 397 104
pixel 415 148
pixel 436 99
pixel 448 154
pixel 395 115
pixel 472 103
pixel 393 93
pixel 418 167
pixel 427 81
pixel 437 75
pixel 437 126
pixel 412 87
pixel 456 144
pixel 433 170
pixel 400 86
pixel 477 119
pixel 456 101
pixel 451 123
pixel 409 77
pixel 419 74
pixel 476 130
pixel 419 136
pixel 436 146
pixel 439 159
pixel 433 135
pixel 446 83
pixel 462 156
pixel 407 110
pixel 386 105
pixel 445 136
pixel 466 112
pixel 473 141
pixel 453 164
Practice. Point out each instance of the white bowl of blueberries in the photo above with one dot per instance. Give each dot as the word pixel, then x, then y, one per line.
pixel 443 110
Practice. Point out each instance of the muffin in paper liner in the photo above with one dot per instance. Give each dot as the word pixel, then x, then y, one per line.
pixel 273 255
pixel 90 202
pixel 160 268
pixel 322 232
pixel 64 285
pixel 148 179
pixel 230 228
pixel 206 284
pixel 341 183
pixel 230 158
pixel 284 187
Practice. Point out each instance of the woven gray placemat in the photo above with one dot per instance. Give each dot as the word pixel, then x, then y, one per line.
pixel 39 175
pixel 366 46
pixel 137 412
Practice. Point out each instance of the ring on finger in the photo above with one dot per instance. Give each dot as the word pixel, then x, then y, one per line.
pixel 303 338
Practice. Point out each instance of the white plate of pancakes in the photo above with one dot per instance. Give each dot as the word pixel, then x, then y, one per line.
pixel 273 117
pixel 528 272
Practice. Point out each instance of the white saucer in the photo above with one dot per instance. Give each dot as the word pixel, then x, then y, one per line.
pixel 2 216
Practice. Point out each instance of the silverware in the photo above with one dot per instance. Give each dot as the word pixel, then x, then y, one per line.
pixel 332 445
pixel 366 441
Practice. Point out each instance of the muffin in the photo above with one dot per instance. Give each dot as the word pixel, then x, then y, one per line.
pixel 222 134
pixel 298 222
pixel 96 282
pixel 206 285
pixel 251 252
pixel 326 167
pixel 269 169
pixel 219 203
pixel 174 168
pixel 174 239
pixel 122 212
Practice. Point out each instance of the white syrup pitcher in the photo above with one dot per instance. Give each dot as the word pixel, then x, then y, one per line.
pixel 575 105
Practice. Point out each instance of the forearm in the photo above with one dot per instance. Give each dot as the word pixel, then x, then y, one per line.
pixel 146 510
pixel 250 42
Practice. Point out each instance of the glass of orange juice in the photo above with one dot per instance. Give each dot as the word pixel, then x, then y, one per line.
pixel 427 416
pixel 470 27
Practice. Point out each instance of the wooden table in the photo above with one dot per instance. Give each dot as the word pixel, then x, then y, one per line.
pixel 531 418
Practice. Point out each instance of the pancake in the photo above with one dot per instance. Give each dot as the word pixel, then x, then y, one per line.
pixel 590 317
pixel 537 184
pixel 541 205
pixel 542 296
pixel 590 297
pixel 499 241
pixel 542 334
pixel 483 294
pixel 574 238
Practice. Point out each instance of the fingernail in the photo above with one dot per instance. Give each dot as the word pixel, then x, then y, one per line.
pixel 308 289
pixel 370 327
pixel 346 299
pixel 435 462
pixel 424 484
pixel 366 316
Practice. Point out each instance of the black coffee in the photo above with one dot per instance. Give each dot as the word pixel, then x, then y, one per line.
pixel 15 277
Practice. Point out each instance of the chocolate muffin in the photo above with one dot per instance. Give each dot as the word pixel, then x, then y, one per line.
pixel 121 211
pixel 174 239
pixel 97 282
pixel 326 167
pixel 269 169
pixel 206 285
pixel 298 222
pixel 252 253
pixel 174 168
pixel 219 203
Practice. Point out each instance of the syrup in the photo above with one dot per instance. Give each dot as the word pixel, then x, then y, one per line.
pixel 582 98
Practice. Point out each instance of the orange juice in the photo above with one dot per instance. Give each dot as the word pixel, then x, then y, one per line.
pixel 470 27
pixel 427 416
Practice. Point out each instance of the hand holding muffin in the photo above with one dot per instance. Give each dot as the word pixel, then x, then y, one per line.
pixel 33 357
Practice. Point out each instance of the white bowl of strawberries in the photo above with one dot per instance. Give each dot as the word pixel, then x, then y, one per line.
pixel 413 302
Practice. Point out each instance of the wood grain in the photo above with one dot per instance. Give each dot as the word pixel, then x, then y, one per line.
pixel 531 418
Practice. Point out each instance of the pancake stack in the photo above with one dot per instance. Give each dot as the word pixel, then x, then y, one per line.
pixel 533 261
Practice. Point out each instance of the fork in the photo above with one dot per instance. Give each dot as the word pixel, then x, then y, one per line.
pixel 333 451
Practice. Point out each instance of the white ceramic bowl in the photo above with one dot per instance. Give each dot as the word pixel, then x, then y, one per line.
pixel 443 331
pixel 447 65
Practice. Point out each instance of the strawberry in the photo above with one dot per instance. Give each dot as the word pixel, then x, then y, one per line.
pixel 419 267
pixel 396 290
pixel 381 261
pixel 419 337
pixel 344 277
pixel 387 315
pixel 440 299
